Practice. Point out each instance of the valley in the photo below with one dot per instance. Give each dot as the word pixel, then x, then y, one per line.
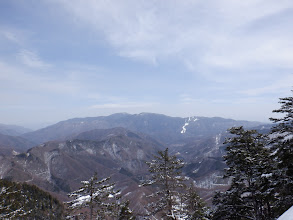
pixel 57 158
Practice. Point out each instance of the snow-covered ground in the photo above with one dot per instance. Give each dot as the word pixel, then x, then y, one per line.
pixel 288 215
pixel 190 119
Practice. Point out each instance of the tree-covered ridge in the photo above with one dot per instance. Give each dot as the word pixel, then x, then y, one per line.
pixel 24 201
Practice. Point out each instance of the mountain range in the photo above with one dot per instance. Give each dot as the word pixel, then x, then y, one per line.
pixel 13 130
pixel 118 145
pixel 13 144
pixel 164 128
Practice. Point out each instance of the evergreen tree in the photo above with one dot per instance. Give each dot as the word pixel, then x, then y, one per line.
pixel 125 212
pixel 23 201
pixel 195 207
pixel 250 195
pixel 99 196
pixel 231 204
pixel 282 147
pixel 169 198
pixel 10 205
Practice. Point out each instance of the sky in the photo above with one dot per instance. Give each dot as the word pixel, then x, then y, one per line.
pixel 61 59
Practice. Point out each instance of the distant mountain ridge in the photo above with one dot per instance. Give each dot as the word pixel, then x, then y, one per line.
pixel 13 130
pixel 59 166
pixel 119 145
pixel 164 128
pixel 14 144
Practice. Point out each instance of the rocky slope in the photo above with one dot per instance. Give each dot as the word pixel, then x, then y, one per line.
pixel 83 146
pixel 59 166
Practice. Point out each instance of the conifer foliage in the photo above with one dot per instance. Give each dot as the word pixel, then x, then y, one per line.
pixel 125 213
pixel 170 200
pixel 282 146
pixel 99 196
pixel 194 206
pixel 23 201
pixel 249 166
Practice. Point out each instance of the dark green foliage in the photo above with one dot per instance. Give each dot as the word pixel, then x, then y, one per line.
pixel 23 201
pixel 98 196
pixel 125 213
pixel 166 176
pixel 60 184
pixel 195 207
pixel 172 200
pixel 231 205
pixel 282 145
pixel 250 195
pixel 261 171
pixel 285 124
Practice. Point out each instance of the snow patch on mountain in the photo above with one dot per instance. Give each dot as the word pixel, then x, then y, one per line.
pixel 47 159
pixel 3 169
pixel 90 151
pixel 113 150
pixel 217 140
pixel 140 154
pixel 187 121
pixel 195 171
pixel 184 128
pixel 61 146
pixel 14 153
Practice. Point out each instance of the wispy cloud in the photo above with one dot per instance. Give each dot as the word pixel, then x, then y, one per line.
pixel 31 59
pixel 123 105
pixel 280 86
pixel 15 78
pixel 188 99
pixel 14 36
pixel 176 57
pixel 202 34
pixel 9 36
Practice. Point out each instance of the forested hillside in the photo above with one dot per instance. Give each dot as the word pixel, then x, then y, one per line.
pixel 24 201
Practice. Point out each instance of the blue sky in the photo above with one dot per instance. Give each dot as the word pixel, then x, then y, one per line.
pixel 61 59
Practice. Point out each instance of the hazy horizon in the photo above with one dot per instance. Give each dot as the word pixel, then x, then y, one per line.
pixel 63 59
pixel 41 125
